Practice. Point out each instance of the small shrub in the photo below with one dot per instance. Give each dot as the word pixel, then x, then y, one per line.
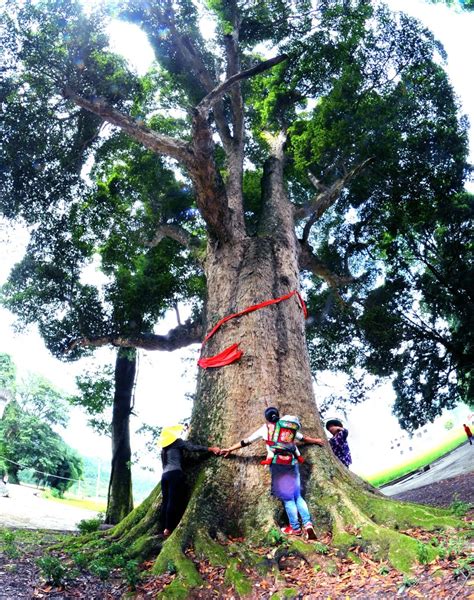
pixel 422 553
pixel 12 551
pixel 8 537
pixel 320 548
pixel 116 548
pixel 409 581
pixel 131 573
pixel 459 507
pixel 465 567
pixel 117 561
pixel 9 540
pixel 171 567
pixel 384 570
pixel 455 547
pixel 89 525
pixel 275 537
pixel 81 559
pixel 100 568
pixel 52 569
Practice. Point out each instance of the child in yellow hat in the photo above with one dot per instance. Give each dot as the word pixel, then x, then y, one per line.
pixel 173 490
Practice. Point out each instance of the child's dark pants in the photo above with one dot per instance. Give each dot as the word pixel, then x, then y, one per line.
pixel 173 493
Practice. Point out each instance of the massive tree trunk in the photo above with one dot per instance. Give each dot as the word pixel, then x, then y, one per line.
pixel 274 369
pixel 231 496
pixel 120 499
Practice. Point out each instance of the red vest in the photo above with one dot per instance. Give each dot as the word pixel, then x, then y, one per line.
pixel 281 438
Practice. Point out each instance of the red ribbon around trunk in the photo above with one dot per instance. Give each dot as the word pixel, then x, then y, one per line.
pixel 233 353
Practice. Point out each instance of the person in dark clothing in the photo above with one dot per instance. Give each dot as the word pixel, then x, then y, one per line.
pixel 173 489
pixel 468 431
pixel 338 442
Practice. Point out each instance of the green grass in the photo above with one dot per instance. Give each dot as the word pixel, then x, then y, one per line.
pixel 378 479
pixel 87 503
pixel 29 539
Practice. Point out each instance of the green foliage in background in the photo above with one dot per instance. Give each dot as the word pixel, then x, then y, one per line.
pixel 27 438
pixel 368 111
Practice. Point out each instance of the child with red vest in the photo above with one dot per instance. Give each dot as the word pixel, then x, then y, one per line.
pixel 283 459
pixel 280 440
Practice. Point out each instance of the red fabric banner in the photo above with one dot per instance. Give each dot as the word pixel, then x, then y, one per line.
pixel 233 353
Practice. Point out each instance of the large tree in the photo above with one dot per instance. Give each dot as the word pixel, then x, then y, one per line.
pixel 47 287
pixel 27 439
pixel 299 163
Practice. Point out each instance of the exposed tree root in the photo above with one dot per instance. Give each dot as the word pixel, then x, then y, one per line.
pixel 172 559
pixel 376 523
pixel 355 515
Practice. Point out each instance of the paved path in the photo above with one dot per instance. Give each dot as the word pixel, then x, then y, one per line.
pixel 24 509
pixel 458 462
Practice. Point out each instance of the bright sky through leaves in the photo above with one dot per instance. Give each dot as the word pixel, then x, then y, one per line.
pixel 454 31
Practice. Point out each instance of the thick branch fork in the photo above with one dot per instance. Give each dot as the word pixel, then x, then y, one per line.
pixel 310 262
pixel 326 197
pixel 206 103
pixel 157 142
pixel 179 337
pixel 174 232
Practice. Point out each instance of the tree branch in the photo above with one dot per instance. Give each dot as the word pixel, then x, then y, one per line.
pixel 162 144
pixel 206 103
pixel 325 198
pixel 192 58
pixel 175 232
pixel 308 261
pixel 236 101
pixel 179 337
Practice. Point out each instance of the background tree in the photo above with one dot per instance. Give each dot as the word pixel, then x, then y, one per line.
pixel 47 286
pixel 27 442
pixel 7 387
pixel 27 439
pixel 37 396
pixel 463 4
pixel 7 374
pixel 342 137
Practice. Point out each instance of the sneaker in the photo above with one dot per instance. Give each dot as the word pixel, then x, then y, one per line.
pixel 309 530
pixel 288 530
pixel 267 461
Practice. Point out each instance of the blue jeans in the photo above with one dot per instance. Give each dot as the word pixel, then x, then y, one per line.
pixel 295 506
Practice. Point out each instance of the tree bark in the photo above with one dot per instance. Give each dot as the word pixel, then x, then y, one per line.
pixel 231 496
pixel 274 370
pixel 120 499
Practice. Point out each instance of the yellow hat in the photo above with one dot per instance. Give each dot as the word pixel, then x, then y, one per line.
pixel 170 435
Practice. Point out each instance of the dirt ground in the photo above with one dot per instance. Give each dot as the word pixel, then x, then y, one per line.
pixel 24 508
pixel 442 493
pixel 327 577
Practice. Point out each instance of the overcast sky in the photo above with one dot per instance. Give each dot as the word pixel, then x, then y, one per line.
pixel 164 378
